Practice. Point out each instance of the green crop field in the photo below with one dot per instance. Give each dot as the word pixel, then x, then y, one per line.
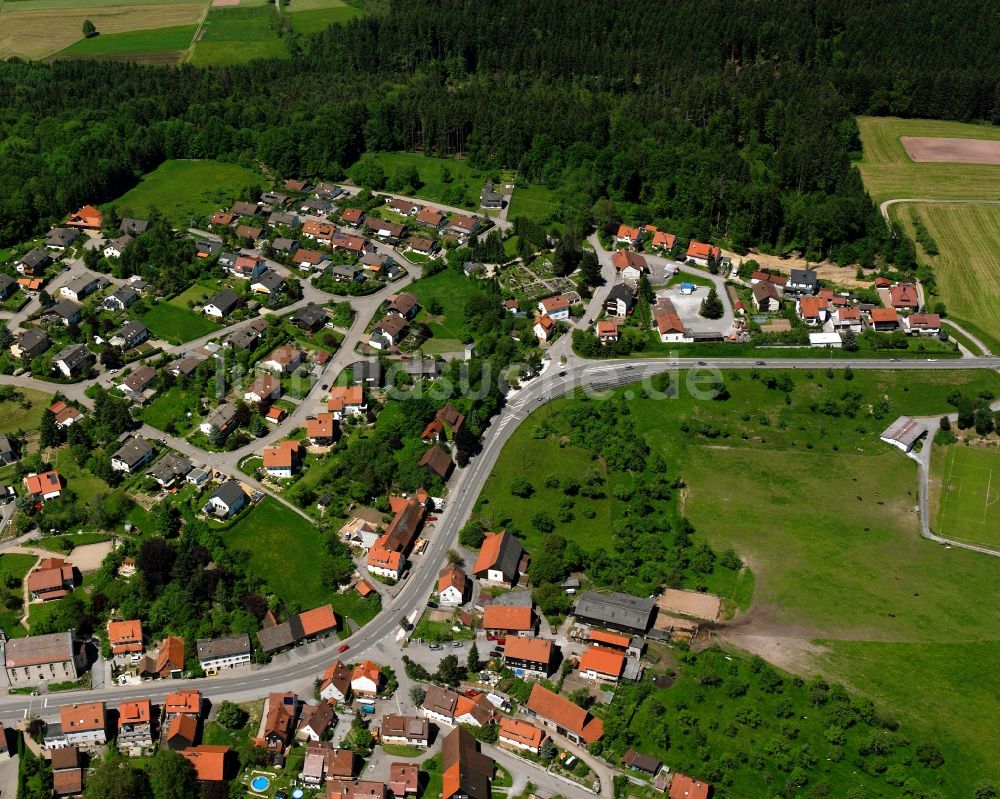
pixel 176 325
pixel 967 507
pixel 825 515
pixel 135 45
pixel 312 16
pixel 187 191
pixel 238 34
pixel 889 173
pixel 967 263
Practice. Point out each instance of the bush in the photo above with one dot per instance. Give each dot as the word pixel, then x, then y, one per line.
pixel 231 716
pixel 522 487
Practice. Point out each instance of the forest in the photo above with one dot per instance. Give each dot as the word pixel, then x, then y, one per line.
pixel 720 120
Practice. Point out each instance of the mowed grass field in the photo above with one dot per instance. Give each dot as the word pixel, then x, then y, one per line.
pixel 889 173
pixel 967 265
pixel 158 45
pixel 186 191
pixel 825 515
pixel 534 202
pixel 464 176
pixel 176 325
pixel 966 494
pixel 234 35
pixel 36 29
pixel 312 16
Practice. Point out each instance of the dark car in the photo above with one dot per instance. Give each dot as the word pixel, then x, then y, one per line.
pixel 701 363
pixel 760 363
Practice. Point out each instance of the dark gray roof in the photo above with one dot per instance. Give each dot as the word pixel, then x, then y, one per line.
pixel 73 356
pixel 208 246
pixel 64 309
pixel 425 367
pixel 35 258
pixel 340 270
pixel 222 416
pixel 130 330
pixel 509 556
pixel 61 236
pixel 368 371
pixel 170 467
pixel 281 635
pixel 134 451
pixel 284 218
pixel 121 242
pixel 270 280
pixel 125 295
pixel 225 300
pixel 375 259
pixel 803 276
pixel 133 227
pixel 621 292
pixel 310 315
pixel 616 610
pixel 284 245
pixel 82 285
pixel 32 338
pixel 230 646
pixel 229 492
pixel 6 281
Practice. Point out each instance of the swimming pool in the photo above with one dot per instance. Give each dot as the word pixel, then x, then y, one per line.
pixel 260 783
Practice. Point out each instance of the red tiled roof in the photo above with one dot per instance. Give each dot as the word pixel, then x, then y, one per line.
pixel 903 294
pixel 43 483
pixel 665 240
pixel 566 714
pixel 137 712
pixel 183 702
pixel 85 717
pixel 811 306
pixel 522 732
pixel 282 455
pixel 318 620
pixel 537 650
pixel 489 551
pixel 698 249
pixel 609 639
pixel 556 303
pixel 626 232
pixel 342 396
pixel 125 636
pixel 381 558
pixel 320 426
pixel 684 787
pixel 352 215
pixel 622 259
pixel 507 617
pixel 884 315
pixel 603 661
pixel 209 761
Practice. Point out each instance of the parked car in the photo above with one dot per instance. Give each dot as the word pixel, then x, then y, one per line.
pixel 343 648
pixel 457 644
pixel 436 647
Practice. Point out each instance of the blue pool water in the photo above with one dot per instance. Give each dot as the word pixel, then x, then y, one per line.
pixel 260 784
pixel 297 793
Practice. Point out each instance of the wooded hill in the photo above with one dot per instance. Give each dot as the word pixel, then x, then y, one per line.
pixel 719 120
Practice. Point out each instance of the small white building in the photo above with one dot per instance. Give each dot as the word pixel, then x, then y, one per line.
pixel 829 340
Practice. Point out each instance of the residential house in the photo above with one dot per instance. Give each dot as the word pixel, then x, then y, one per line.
pixel 226 500
pixel 138 381
pixel 383 229
pixel 347 401
pixel 405 730
pixel 228 652
pixel 500 559
pixel 8 450
pixel 904 297
pixel 223 218
pixel 343 274
pixel 520 734
pixel 615 611
pixel 248 267
pixel 448 706
pixel 768 277
pixel 882 282
pixel 284 359
pixel 67 771
pixel 529 657
pixel 133 227
pixel 404 305
pixel 629 264
pixel 65 414
pixel 221 420
pixel 847 318
pixel 421 245
pixel 544 328
pixel 318 231
pixel 366 679
pixel 388 333
pixel 209 762
pixel 125 639
pixel 507 620
pixel 56 657
pixel 923 323
pixel 402 207
pixel 315 721
pixel 66 312
pixel 33 263
pixel 367 373
pixel 702 253
pixel 284 219
pixel 635 761
pixel 802 281
pixel 181 732
pixel 321 429
pixel 83 724
pixel 81 287
pixel 885 319
pixel 298 186
pixel 437 461
pixel 385 562
pixel 352 216
pixel 668 323
pixel 283 459
pixel 465 771
pixel 558 713
pixel 59 238
pixel 52 578
pixel 402 530
pixel 336 683
pixel 452 586
pixel 279 721
pixel 131 334
pixel 355 789
pixel 404 779
pixel 247 336
pixel 168 663
pixel 490 199
pixel 310 317
pixel 222 304
pixel 557 307
pixel 607 331
pixel 600 664
pixel 121 298
pixel 766 297
pixel 313 623
pixel 115 247
pixel 267 282
pixel 245 209
pixel 274 199
pixel 43 486
pixel 685 787
pixel 284 246
pixel 7 286
pixel 812 310
pixel 463 225
pixel 661 240
pixel 431 217
pixel 263 391
pixel 135 724
pixel 30 344
pixel 87 218
pixel 620 301
pixel 629 236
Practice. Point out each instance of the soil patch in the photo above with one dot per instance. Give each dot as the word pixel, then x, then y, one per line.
pixel 933 149
pixel 845 276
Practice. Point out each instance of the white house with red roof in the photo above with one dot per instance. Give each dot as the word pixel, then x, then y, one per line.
pixel 630 236
pixel 701 253
pixel 557 307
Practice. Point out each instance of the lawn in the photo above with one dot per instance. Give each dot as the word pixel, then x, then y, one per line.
pixel 176 325
pixel 312 16
pixel 15 416
pixel 134 44
pixel 235 35
pixel 825 515
pixel 889 173
pixel 84 484
pixel 967 262
pixel 462 191
pixel 534 201
pixel 450 290
pixel 173 405
pixel 186 191
pixel 966 506
pixel 13 565
pixel 36 29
